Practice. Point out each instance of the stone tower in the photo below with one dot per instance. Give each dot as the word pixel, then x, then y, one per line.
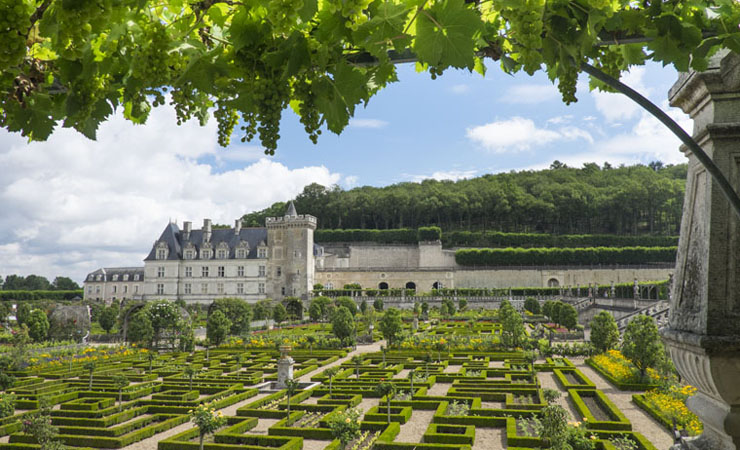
pixel 290 266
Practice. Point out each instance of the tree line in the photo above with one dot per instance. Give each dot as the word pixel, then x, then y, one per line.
pixel 37 283
pixel 593 199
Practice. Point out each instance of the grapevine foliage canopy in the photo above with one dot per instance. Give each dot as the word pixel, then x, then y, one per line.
pixel 72 63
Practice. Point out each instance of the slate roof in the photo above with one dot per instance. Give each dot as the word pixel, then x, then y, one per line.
pixel 174 238
pixel 108 273
pixel 291 210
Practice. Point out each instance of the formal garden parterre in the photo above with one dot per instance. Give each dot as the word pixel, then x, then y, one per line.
pixel 431 384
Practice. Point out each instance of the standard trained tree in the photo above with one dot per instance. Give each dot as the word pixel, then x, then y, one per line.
pixel 218 327
pixel 568 316
pixel 641 343
pixel 391 325
pixel 343 324
pixel 107 319
pixel 38 325
pixel 604 332
pixel 512 325
pixel 279 314
pixel 119 382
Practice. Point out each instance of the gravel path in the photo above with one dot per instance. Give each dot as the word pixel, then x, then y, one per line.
pixel 414 429
pixel 547 380
pixel 489 439
pixel 641 421
pixel 439 389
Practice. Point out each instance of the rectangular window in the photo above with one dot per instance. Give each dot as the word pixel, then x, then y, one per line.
pixel 262 271
pixel 240 271
pixel 188 288
pixel 282 290
pixel 222 254
pixel 161 254
pixel 261 253
pixel 241 254
pixel 296 254
pixel 160 272
pixel 278 271
pixel 239 288
pixel 204 288
pixel 125 289
pixel 204 271
pixel 188 272
pixel 160 289
pixel 115 289
pixel 221 271
pixel 136 289
pixel 89 289
pixel 220 288
pixel 261 288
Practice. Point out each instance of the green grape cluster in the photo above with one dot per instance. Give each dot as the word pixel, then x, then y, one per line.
pixel 283 13
pixel 567 79
pixel 307 109
pixel 76 20
pixel 227 119
pixel 354 12
pixel 152 61
pixel 526 25
pixel 15 20
pixel 249 127
pixel 435 72
pixel 187 101
pixel 87 91
pixel 271 97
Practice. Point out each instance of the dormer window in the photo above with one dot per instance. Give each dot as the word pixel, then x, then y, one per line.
pixel 125 277
pixel 261 252
pixel 99 277
pixel 205 254
pixel 189 254
pixel 115 277
pixel 241 253
pixel 162 251
pixel 136 277
pixel 221 254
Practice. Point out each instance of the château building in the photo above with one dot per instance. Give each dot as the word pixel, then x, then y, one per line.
pixel 281 259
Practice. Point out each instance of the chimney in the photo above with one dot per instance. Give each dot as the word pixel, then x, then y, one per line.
pixel 187 227
pixel 206 230
pixel 237 226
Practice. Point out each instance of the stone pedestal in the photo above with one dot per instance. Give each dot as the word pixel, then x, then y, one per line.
pixel 703 335
pixel 285 367
pixel 415 324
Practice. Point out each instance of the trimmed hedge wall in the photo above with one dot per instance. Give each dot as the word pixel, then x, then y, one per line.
pixel 497 239
pixel 563 256
pixel 619 422
pixel 397 236
pixel 618 384
pixel 40 295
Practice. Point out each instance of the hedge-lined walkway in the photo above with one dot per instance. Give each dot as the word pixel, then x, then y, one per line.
pixel 151 443
pixel 642 422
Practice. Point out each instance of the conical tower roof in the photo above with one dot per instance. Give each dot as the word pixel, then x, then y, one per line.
pixel 291 210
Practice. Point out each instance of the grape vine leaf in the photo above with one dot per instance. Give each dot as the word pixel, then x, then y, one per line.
pixel 445 34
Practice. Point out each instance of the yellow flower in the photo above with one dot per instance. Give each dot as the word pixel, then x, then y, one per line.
pixel 347 420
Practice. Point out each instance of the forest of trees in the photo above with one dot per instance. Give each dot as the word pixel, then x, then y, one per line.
pixel 37 283
pixel 623 200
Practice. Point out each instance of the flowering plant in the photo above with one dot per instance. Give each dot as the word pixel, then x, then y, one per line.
pixel 345 426
pixel 207 419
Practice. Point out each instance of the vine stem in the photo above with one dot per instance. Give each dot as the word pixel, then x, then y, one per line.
pixel 727 189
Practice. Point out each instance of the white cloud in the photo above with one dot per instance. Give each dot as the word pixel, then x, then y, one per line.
pixel 453 175
pixel 350 181
pixel 519 133
pixel 559 120
pixel 241 153
pixel 614 106
pixel 367 123
pixel 71 205
pixel 460 89
pixel 529 94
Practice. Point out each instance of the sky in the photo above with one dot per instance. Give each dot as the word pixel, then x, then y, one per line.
pixel 70 205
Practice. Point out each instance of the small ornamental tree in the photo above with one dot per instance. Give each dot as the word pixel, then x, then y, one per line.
pixel 547 308
pixel 330 373
pixel 345 426
pixel 532 305
pixel 554 431
pixel 378 304
pixel 90 367
pixel 568 316
pixel 343 324
pixel 314 312
pixel 641 343
pixel 604 332
pixel 119 382
pixel 357 360
pixel 22 311
pixel 348 303
pixel 363 306
pixel 217 328
pixel 190 372
pixel 279 314
pixel 7 405
pixel 512 326
pixel 207 420
pixel 107 319
pixel 391 325
pixel 6 380
pixel 311 341
pixel 38 325
pixel 39 426
pixel 387 390
pixel 290 386
pixel 448 308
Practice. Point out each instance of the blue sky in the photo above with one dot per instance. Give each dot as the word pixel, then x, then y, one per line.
pixel 71 205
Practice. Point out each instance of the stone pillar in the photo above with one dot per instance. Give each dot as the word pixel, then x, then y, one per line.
pixel 285 367
pixel 703 334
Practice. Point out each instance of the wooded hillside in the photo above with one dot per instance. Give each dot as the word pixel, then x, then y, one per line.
pixel 561 200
